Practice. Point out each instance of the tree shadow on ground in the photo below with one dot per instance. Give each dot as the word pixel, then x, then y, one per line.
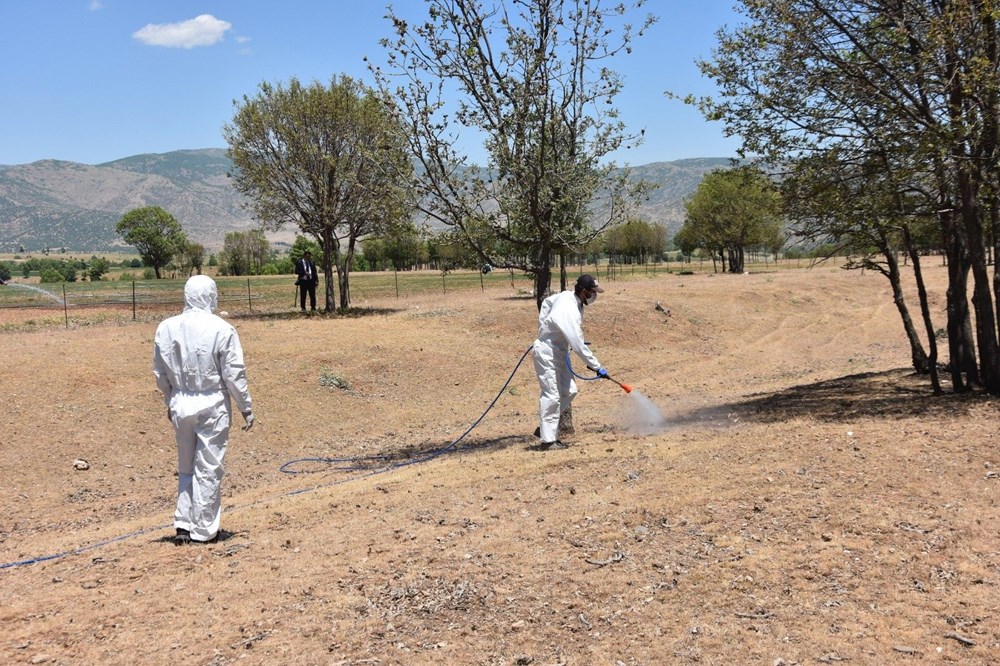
pixel 892 394
pixel 346 313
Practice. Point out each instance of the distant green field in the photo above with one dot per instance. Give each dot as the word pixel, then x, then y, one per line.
pixel 116 300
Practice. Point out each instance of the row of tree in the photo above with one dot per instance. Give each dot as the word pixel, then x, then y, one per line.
pixel 883 119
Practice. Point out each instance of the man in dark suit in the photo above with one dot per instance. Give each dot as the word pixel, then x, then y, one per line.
pixel 306 270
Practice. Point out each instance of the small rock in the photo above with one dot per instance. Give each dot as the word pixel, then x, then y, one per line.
pixel 81 464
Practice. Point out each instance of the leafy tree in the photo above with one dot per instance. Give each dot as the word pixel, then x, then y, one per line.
pixel 154 233
pixel 50 275
pixel 910 86
pixel 98 267
pixel 5 271
pixel 536 86
pixel 302 245
pixel 194 257
pixel 244 253
pixel 331 159
pixel 731 209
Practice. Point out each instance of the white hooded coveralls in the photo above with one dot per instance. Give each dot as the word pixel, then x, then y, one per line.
pixel 560 328
pixel 198 365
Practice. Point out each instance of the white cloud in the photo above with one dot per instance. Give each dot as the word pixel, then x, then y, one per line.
pixel 95 5
pixel 203 30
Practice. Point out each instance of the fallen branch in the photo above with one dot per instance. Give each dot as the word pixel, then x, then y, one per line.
pixel 759 615
pixel 960 638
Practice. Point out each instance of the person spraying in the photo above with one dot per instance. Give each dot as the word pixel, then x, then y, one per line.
pixel 560 329
pixel 198 365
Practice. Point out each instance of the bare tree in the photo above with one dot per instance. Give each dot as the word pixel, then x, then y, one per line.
pixel 532 79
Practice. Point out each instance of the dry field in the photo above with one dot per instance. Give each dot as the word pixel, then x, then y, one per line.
pixel 807 500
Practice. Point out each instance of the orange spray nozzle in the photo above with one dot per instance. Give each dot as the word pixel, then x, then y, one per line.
pixel 625 387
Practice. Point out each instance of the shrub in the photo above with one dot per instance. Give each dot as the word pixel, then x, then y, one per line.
pixel 51 275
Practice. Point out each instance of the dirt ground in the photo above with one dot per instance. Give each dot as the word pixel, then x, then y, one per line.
pixel 805 501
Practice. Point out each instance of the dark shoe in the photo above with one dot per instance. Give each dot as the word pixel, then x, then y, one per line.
pixel 182 538
pixel 212 540
pixel 553 446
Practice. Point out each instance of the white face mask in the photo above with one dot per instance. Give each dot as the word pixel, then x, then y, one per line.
pixel 592 298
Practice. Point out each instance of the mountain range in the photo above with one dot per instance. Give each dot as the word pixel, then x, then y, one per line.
pixel 59 204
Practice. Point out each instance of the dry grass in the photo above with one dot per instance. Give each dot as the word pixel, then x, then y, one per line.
pixel 808 502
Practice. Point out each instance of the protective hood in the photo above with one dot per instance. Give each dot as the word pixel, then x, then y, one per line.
pixel 200 293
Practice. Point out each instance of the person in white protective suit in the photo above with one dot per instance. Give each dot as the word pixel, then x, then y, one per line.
pixel 560 329
pixel 198 365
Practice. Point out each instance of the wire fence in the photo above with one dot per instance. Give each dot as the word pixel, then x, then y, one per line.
pixel 85 303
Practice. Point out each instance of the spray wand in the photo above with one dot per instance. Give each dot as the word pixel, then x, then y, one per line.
pixel 624 387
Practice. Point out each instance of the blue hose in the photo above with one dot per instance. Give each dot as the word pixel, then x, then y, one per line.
pixel 570 366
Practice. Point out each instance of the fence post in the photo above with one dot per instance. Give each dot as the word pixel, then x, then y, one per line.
pixel 133 300
pixel 395 275
pixel 249 300
pixel 444 287
pixel 65 307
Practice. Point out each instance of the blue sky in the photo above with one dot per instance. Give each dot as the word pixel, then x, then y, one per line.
pixel 91 81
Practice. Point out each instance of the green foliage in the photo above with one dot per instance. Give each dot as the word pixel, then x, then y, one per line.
pixel 149 274
pixel 5 270
pixel 636 242
pixel 126 277
pixel 51 275
pixel 98 267
pixel 244 253
pixel 155 234
pixel 732 209
pixel 302 245
pixel 330 159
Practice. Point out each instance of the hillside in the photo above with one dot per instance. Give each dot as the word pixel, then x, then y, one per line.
pixel 59 204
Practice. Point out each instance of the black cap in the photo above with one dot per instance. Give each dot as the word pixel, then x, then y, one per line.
pixel 586 281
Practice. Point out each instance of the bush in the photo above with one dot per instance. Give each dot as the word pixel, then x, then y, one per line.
pixel 126 277
pixel 5 273
pixel 50 275
pixel 148 273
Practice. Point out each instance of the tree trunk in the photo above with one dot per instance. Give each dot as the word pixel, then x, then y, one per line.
pixel 543 276
pixel 982 290
pixel 344 276
pixel 331 248
pixel 925 311
pixel 961 362
pixel 918 357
